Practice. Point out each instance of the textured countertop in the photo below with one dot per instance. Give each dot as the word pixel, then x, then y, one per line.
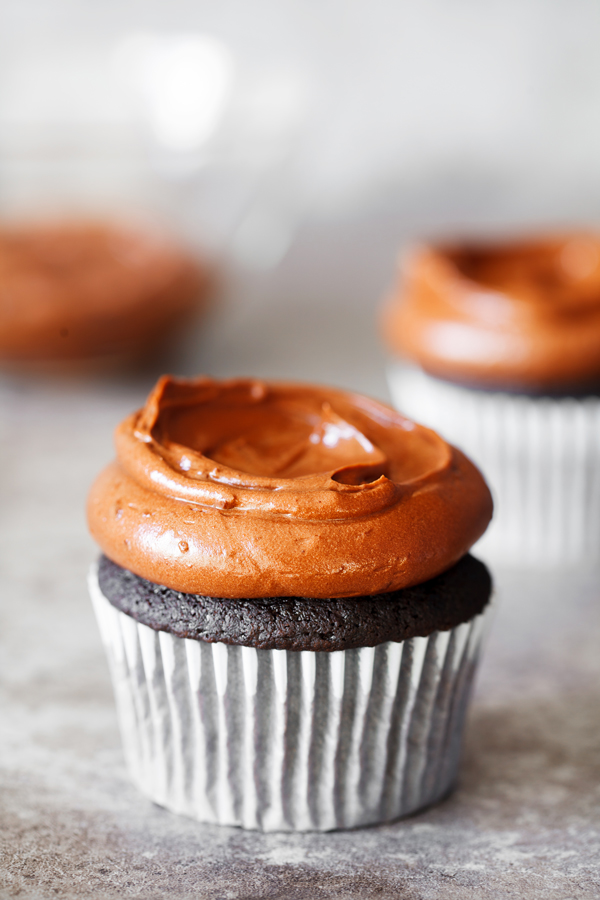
pixel 525 819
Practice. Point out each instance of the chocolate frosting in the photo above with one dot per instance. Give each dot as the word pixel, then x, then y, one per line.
pixel 75 290
pixel 522 316
pixel 247 489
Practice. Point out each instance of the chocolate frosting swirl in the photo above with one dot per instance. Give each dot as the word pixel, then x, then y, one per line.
pixel 82 289
pixel 521 316
pixel 249 489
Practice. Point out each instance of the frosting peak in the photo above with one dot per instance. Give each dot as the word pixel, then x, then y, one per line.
pixel 246 489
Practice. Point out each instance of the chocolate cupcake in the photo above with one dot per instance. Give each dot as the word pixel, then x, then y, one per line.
pixel 290 612
pixel 497 347
pixel 90 293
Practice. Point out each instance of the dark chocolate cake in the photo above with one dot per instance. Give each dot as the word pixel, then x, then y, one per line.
pixel 302 623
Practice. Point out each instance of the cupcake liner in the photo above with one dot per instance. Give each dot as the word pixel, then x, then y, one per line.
pixel 540 455
pixel 282 740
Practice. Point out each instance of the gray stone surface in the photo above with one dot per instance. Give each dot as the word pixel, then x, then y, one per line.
pixel 525 819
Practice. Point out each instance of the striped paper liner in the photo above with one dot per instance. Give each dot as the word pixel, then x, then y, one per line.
pixel 540 456
pixel 280 740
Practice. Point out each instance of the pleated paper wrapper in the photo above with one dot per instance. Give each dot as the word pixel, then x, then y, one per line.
pixel 539 455
pixel 282 740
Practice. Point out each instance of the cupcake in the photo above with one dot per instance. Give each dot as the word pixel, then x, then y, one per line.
pixel 289 609
pixel 90 292
pixel 497 347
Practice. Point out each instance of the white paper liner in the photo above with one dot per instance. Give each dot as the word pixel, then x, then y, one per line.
pixel 540 456
pixel 289 741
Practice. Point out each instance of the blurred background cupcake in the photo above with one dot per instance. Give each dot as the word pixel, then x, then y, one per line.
pixel 498 346
pixel 81 294
pixel 134 166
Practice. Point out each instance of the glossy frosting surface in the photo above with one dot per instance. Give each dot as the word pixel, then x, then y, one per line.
pixel 74 290
pixel 522 316
pixel 249 489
